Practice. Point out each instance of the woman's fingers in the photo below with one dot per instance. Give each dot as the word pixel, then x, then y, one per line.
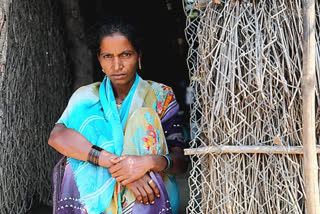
pixel 117 159
pixel 149 192
pixel 152 184
pixel 154 187
pixel 126 181
pixel 114 169
pixel 145 189
pixel 131 167
pixel 134 189
pixel 120 179
pixel 143 194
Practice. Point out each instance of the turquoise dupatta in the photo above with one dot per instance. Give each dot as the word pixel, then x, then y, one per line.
pixel 92 111
pixel 102 124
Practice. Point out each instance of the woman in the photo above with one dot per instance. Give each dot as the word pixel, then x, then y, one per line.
pixel 122 136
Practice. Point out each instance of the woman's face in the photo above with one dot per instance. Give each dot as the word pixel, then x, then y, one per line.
pixel 118 59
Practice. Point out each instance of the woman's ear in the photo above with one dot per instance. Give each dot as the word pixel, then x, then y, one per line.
pixel 139 63
pixel 139 60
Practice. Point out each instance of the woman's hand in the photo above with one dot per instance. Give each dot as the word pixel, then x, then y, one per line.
pixel 129 168
pixel 145 189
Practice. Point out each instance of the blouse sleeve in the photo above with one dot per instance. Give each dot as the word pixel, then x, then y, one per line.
pixel 172 123
pixel 174 132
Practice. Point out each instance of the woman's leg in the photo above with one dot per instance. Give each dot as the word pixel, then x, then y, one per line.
pixel 68 199
pixel 144 134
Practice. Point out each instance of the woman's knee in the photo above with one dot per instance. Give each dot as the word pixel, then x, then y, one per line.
pixel 145 111
pixel 144 132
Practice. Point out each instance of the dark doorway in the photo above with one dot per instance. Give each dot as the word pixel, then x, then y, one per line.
pixel 41 81
pixel 162 23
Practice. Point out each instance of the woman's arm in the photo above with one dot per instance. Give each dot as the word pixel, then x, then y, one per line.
pixel 180 162
pixel 72 144
pixel 130 168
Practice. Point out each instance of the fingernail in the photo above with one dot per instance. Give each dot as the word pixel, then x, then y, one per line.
pixel 158 196
pixel 147 203
pixel 152 202
pixel 141 202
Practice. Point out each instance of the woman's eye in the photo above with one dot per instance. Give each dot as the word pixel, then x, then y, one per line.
pixel 107 56
pixel 126 54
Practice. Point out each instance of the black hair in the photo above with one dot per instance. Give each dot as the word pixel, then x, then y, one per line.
pixel 118 24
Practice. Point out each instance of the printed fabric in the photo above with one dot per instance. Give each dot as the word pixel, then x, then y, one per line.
pixel 92 111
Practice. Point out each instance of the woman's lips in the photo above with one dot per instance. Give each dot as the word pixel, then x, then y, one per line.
pixel 118 76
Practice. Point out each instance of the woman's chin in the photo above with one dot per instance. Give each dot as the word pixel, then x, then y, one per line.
pixel 120 82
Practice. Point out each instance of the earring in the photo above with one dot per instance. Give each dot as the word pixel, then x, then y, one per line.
pixel 102 70
pixel 139 65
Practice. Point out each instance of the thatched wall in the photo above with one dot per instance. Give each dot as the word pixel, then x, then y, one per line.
pixel 34 91
pixel 246 67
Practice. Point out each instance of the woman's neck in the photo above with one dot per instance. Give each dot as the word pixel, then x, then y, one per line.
pixel 120 92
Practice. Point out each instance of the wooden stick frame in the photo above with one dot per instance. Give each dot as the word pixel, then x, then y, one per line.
pixel 294 150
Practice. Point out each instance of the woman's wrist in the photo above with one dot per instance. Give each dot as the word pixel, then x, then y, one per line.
pixel 169 162
pixel 94 154
pixel 158 163
pixel 151 162
pixel 105 157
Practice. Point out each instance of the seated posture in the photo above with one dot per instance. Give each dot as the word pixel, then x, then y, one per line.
pixel 122 137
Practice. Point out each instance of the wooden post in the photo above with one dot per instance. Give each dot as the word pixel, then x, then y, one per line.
pixel 310 165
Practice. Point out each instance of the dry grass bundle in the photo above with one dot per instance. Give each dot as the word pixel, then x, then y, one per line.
pixel 245 63
pixel 33 94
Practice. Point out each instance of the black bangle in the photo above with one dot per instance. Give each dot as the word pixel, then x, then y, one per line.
pixel 169 162
pixel 94 154
pixel 97 148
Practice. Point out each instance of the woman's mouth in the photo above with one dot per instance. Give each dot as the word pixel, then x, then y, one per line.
pixel 118 76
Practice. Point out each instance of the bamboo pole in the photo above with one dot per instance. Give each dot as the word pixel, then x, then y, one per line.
pixel 310 165
pixel 293 150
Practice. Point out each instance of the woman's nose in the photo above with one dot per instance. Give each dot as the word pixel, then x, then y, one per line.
pixel 117 64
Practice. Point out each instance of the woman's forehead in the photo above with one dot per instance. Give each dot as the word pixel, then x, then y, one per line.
pixel 115 43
